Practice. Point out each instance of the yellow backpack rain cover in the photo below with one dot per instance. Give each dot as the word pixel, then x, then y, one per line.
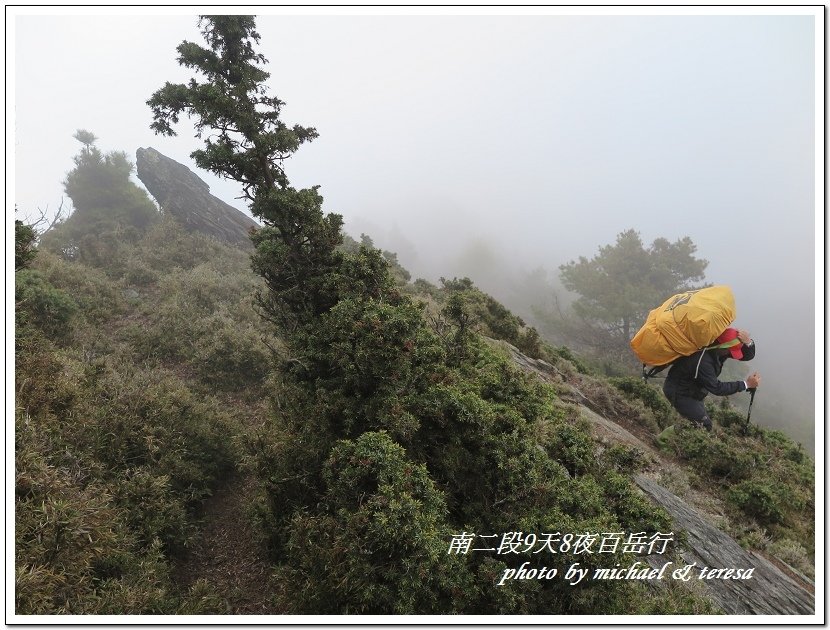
pixel 684 324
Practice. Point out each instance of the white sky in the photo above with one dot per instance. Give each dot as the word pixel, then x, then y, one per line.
pixel 537 138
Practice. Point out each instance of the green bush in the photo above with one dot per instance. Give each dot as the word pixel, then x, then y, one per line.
pixel 652 397
pixel 138 273
pixel 784 448
pixel 713 457
pixel 206 287
pixel 25 239
pixel 563 352
pixel 760 500
pixel 764 475
pixel 623 458
pixel 573 447
pixel 97 296
pixel 111 462
pixel 141 417
pixel 229 356
pixel 472 423
pixel 44 387
pixel 633 511
pixel 381 536
pixel 153 511
pixel 483 313
pixel 40 303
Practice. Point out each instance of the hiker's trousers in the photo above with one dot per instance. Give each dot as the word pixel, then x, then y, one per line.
pixel 690 408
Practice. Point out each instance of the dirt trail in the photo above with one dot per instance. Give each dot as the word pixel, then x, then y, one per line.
pixel 228 555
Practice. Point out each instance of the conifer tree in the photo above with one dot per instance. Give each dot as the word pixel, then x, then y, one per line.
pixel 619 285
pixel 248 142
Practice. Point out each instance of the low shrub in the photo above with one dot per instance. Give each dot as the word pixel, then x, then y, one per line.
pixel 148 417
pixel 229 356
pixel 381 534
pixel 483 313
pixel 761 500
pixel 573 447
pixel 41 304
pixel 153 511
pixel 624 459
pixel 138 273
pixel 74 552
pixel 565 354
pixel 98 297
pixel 167 246
pixel 651 396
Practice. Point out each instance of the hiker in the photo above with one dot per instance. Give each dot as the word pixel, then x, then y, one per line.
pixel 691 378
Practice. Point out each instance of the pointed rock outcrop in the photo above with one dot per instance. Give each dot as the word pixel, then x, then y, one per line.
pixel 184 196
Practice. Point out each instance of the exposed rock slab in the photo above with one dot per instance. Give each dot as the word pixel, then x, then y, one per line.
pixel 768 592
pixel 183 195
pixel 611 431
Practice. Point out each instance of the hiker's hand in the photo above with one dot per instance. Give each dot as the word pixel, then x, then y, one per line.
pixel 753 380
pixel 744 336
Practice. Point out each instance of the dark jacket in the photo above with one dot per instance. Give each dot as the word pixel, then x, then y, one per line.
pixel 697 375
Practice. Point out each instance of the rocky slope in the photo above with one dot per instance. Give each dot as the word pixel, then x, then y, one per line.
pixel 772 590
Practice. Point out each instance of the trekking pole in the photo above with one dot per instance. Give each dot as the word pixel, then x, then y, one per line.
pixel 751 391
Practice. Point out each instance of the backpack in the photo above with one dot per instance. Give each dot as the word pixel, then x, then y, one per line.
pixel 684 324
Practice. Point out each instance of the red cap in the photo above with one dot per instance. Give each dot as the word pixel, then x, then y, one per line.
pixel 728 335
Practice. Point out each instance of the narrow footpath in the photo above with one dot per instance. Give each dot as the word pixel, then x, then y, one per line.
pixel 228 555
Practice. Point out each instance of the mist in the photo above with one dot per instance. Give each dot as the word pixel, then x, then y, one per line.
pixel 499 147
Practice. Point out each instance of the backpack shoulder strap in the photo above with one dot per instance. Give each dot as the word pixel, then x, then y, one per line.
pixel 652 372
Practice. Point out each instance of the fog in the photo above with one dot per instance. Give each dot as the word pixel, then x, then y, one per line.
pixel 499 147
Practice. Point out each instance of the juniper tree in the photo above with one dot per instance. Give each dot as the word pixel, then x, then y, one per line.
pixel 245 140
